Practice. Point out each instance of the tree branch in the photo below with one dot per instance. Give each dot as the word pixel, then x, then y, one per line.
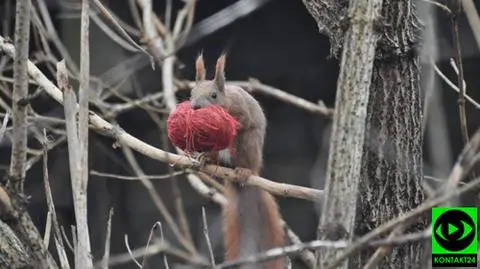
pixel 83 257
pixel 20 91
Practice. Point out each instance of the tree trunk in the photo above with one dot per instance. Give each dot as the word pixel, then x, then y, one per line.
pixel 346 146
pixel 392 160
pixel 391 169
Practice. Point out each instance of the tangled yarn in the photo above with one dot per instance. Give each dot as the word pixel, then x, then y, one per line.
pixel 206 129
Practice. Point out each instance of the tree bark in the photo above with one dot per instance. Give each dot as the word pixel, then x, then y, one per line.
pixel 346 146
pixel 392 162
pixel 391 169
pixel 12 252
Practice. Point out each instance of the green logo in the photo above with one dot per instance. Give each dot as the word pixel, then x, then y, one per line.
pixel 454 236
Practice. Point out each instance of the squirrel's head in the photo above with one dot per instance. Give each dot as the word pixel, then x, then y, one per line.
pixel 208 92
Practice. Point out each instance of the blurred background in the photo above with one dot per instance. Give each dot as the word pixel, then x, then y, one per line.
pixel 275 41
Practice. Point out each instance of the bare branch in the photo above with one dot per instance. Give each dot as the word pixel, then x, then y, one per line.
pixel 454 87
pixel 20 91
pixel 48 230
pixel 127 245
pixel 83 257
pixel 167 176
pixel 155 43
pixel 74 149
pixel 255 86
pixel 52 35
pixel 306 256
pixel 106 254
pixel 111 19
pixel 460 81
pixel 158 201
pixel 51 209
pixel 207 237
pixel 4 125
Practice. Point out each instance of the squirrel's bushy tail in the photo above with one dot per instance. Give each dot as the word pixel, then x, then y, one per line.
pixel 252 225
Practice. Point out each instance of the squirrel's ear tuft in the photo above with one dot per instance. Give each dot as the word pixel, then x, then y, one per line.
pixel 220 72
pixel 199 68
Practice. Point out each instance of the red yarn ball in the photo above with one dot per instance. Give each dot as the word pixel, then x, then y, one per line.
pixel 206 129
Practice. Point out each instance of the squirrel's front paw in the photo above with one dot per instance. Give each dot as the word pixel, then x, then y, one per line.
pixel 203 158
pixel 243 174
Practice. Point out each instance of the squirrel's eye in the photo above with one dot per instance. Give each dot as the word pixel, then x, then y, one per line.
pixel 214 95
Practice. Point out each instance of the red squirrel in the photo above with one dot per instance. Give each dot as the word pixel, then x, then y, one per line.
pixel 251 220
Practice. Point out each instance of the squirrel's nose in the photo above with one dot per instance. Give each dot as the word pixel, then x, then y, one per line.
pixel 199 104
pixel 195 106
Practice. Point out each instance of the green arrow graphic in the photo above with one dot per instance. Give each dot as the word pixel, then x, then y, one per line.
pixel 451 229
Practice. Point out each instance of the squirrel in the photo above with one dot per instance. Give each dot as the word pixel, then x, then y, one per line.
pixel 251 219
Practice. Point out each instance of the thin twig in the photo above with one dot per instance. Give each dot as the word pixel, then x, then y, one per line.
pixel 48 230
pixel 4 125
pixel 106 254
pixel 207 237
pixel 460 80
pixel 149 240
pixel 64 264
pixel 157 200
pixel 454 87
pixel 65 237
pixel 306 256
pixel 382 251
pixel 437 4
pixel 112 34
pixel 107 175
pixel 182 17
pixel 255 86
pixel 154 41
pixel 53 36
pixel 181 38
pixel 127 245
pixel 109 17
pixel 162 237
pixel 35 159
